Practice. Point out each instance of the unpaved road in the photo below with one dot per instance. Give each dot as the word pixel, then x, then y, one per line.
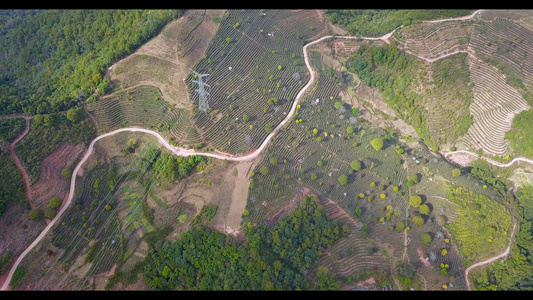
pixel 498 164
pixel 18 163
pixel 490 260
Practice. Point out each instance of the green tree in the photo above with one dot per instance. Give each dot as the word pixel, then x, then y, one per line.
pixel 349 130
pixel 425 238
pixel 73 114
pixel 66 173
pixel 358 212
pixel 264 170
pixel 423 209
pixel 418 220
pixel 55 202
pixel 400 226
pixel 36 214
pixel 415 201
pixel 319 163
pixel 245 118
pixel 131 143
pixel 268 128
pixel 456 172
pixel 50 213
pixel 273 161
pixel 343 179
pixel 355 165
pixel 413 178
pixel 313 176
pixel 326 282
pixel 377 143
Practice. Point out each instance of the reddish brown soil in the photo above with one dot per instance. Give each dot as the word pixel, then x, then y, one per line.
pixel 51 183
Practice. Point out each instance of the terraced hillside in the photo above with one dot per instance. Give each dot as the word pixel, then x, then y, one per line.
pixel 255 56
pixel 431 40
pixel 506 43
pixel 494 107
pixel 374 200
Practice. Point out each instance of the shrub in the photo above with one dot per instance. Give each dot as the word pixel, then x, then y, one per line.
pixel 400 226
pixel 268 128
pixel 36 214
pixel 415 201
pixel 264 170
pixel 356 165
pixel 423 209
pixel 66 173
pixel 456 172
pixel 418 220
pixel 413 178
pixel 273 161
pixel 358 212
pixel 319 163
pixel 50 213
pixel 425 238
pixel 55 202
pixel 343 179
pixel 349 130
pixel 377 143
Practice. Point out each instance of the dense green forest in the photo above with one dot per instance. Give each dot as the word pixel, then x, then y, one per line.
pixel 51 59
pixel 269 259
pixel 9 130
pixel 521 134
pixel 376 22
pixel 11 183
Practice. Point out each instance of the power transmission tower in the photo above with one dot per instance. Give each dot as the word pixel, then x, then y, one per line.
pixel 202 93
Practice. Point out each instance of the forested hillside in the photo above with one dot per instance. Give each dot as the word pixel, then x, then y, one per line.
pixel 376 22
pixel 50 59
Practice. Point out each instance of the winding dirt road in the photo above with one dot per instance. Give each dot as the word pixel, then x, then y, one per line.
pixel 498 164
pixel 17 161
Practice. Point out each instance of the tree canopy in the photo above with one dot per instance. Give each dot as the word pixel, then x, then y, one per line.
pixel 377 143
pixel 355 165
pixel 415 201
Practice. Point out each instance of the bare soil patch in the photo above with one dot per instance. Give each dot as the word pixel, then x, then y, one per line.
pixel 51 183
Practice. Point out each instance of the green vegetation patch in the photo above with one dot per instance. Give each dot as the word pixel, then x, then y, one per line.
pixel 376 22
pixel 58 57
pixel 297 241
pixel 521 134
pixel 482 226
